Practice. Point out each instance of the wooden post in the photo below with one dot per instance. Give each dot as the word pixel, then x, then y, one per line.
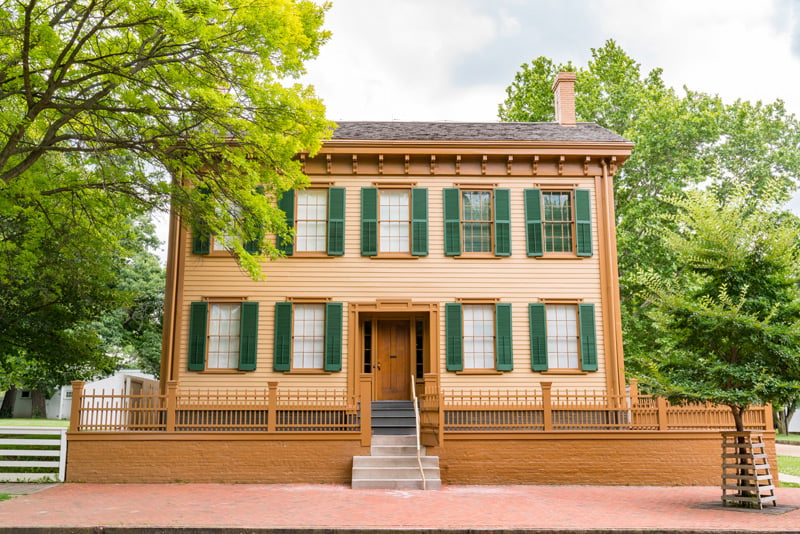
pixel 366 409
pixel 75 407
pixel 769 425
pixel 432 388
pixel 547 407
pixel 661 402
pixel 272 407
pixel 172 404
pixel 634 392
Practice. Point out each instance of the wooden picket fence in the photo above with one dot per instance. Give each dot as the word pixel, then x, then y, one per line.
pixel 32 453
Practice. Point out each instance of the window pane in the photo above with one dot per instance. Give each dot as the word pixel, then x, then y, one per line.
pixel 394 221
pixel 476 219
pixel 311 221
pixel 562 336
pixel 478 336
pixel 223 336
pixel 309 336
pixel 558 221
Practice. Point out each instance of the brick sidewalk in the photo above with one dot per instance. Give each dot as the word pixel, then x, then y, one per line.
pixel 477 508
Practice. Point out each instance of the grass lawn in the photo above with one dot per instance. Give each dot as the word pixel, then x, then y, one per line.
pixel 788 437
pixel 5 496
pixel 35 422
pixel 789 465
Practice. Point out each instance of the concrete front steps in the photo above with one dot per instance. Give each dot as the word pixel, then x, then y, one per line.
pixel 393 465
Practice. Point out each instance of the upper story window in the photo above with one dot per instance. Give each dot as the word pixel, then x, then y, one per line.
pixel 311 223
pixel 478 336
pixel 223 335
pixel 317 217
pixel 394 221
pixel 558 222
pixel 477 221
pixel 308 336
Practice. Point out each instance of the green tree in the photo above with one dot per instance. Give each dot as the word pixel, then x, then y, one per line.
pixel 682 139
pixel 728 324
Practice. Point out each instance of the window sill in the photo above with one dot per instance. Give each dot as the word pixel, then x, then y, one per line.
pixel 394 257
pixel 310 255
pixel 222 372
pixel 564 372
pixel 561 257
pixel 479 256
pixel 481 372
pixel 307 372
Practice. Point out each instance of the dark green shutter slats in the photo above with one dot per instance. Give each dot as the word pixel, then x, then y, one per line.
pixel 254 246
pixel 452 221
pixel 286 204
pixel 588 338
pixel 503 340
pixel 369 221
pixel 502 222
pixel 538 332
pixel 198 324
pixel 533 222
pixel 283 336
pixel 454 337
pixel 336 210
pixel 419 221
pixel 248 337
pixel 201 242
pixel 583 222
pixel 333 336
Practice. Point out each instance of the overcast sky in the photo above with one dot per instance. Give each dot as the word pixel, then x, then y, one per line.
pixel 452 59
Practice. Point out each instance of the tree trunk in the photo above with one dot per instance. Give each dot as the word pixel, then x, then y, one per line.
pixel 738 419
pixel 781 420
pixel 38 404
pixel 7 409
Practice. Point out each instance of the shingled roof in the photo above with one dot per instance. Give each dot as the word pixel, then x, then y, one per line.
pixel 474 131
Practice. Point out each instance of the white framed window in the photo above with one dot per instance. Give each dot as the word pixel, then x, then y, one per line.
pixel 562 336
pixel 479 332
pixel 224 326
pixel 395 220
pixel 308 338
pixel 311 221
pixel 558 221
pixel 476 220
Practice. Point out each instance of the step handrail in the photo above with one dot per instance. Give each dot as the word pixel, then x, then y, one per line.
pixel 416 427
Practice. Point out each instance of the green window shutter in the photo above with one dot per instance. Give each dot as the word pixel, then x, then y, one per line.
pixel 583 222
pixel 333 336
pixel 538 326
pixel 588 338
pixel 198 325
pixel 201 242
pixel 452 221
pixel 503 341
pixel 502 222
pixel 369 221
pixel 248 337
pixel 419 221
pixel 286 204
pixel 282 356
pixel 336 207
pixel 454 336
pixel 533 222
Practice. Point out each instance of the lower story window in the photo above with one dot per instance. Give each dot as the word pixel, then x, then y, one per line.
pixel 309 336
pixel 224 324
pixel 478 336
pixel 562 336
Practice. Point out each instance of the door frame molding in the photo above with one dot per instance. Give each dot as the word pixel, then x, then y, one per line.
pixel 355 350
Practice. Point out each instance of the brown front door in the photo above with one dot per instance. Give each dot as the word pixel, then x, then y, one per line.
pixel 393 367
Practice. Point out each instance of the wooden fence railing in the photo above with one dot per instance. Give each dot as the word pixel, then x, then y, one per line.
pixel 201 410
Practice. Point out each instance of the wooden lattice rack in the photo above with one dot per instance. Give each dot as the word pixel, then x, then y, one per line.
pixel 746 477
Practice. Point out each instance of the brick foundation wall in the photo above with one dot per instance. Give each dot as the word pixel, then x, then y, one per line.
pixel 635 458
pixel 630 458
pixel 223 459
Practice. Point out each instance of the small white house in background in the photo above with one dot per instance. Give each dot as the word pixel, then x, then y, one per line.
pixel 794 423
pixel 126 381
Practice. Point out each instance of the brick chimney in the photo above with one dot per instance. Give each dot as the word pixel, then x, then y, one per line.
pixel 564 97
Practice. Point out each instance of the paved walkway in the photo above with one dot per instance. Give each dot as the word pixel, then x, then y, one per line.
pixel 295 507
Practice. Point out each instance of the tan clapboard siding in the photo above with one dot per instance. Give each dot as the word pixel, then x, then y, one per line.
pixel 436 278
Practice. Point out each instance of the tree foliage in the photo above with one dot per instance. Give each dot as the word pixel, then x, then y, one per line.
pixel 728 323
pixel 112 108
pixel 682 139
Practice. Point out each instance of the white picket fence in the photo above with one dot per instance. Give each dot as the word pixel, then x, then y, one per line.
pixel 43 456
